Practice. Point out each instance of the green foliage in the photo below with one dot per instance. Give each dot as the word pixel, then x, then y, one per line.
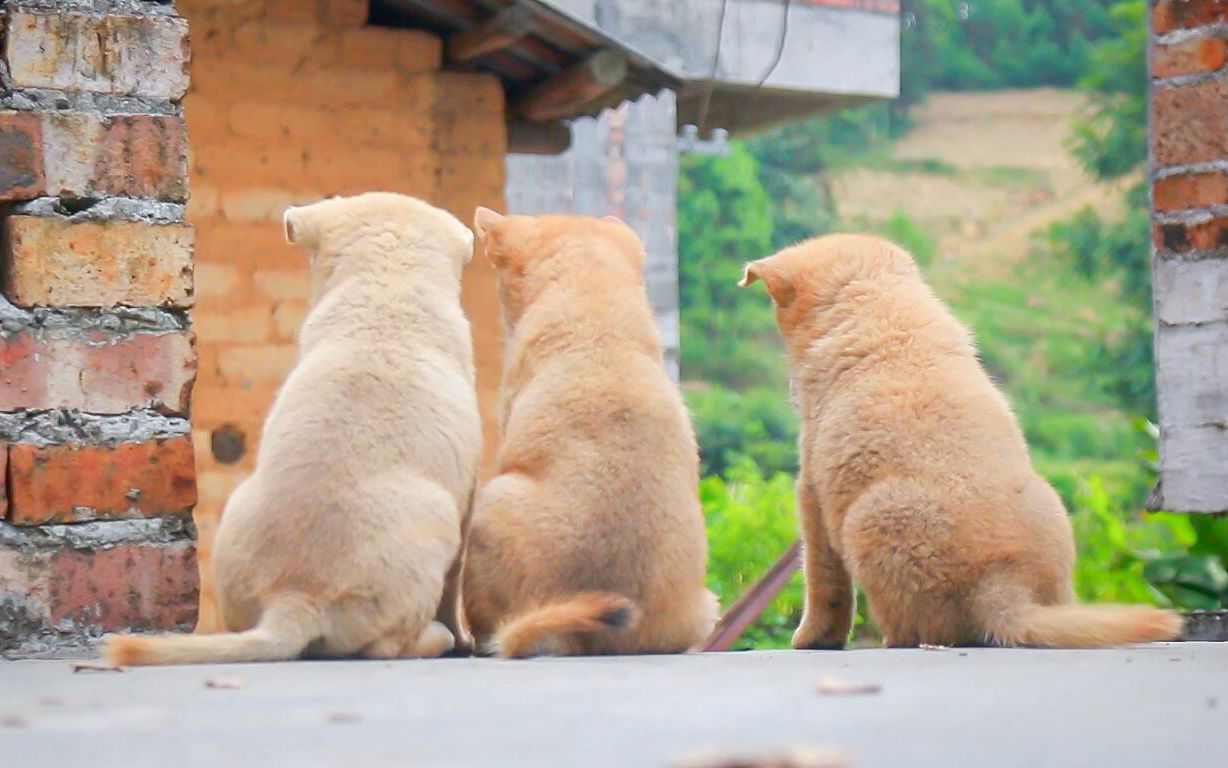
pixel 724 220
pixel 751 522
pixel 906 233
pixel 986 44
pixel 1118 550
pixel 1111 141
pixel 733 426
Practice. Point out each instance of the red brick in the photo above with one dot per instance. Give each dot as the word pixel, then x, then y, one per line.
pixel 142 156
pixel 1189 57
pixel 1187 14
pixel 1197 190
pixel 1183 238
pixel 21 156
pixel 65 484
pixel 1190 123
pixel 130 55
pixel 87 155
pixel 128 586
pixel 52 262
pixel 97 375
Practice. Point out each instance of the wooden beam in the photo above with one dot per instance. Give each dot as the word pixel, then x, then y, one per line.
pixel 525 138
pixel 567 92
pixel 748 607
pixel 496 33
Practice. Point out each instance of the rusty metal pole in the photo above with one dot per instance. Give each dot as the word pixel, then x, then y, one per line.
pixel 751 604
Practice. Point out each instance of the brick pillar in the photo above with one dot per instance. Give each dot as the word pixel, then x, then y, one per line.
pixel 1189 153
pixel 97 356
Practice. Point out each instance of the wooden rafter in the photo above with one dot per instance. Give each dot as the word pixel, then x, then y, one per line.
pixel 496 33
pixel 569 91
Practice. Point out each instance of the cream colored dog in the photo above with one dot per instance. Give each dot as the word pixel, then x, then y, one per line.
pixel 915 477
pixel 340 541
pixel 590 539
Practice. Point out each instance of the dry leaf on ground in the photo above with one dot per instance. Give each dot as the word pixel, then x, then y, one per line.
pixel 836 687
pixel 800 757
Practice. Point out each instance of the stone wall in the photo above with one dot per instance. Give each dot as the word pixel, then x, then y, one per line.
pixel 292 101
pixel 96 346
pixel 1189 153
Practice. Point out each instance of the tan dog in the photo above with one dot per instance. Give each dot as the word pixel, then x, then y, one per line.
pixel 340 541
pixel 590 539
pixel 915 477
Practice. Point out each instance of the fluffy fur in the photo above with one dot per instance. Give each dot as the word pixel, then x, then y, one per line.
pixel 915 477
pixel 590 538
pixel 340 541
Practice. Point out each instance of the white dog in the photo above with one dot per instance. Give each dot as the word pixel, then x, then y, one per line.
pixel 341 541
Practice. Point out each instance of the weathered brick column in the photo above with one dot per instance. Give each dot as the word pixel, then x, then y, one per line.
pixel 1189 153
pixel 97 356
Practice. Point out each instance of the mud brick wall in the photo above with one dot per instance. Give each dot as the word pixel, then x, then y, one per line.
pixel 1189 153
pixel 97 354
pixel 292 101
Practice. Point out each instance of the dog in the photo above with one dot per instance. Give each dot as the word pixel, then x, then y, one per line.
pixel 340 542
pixel 915 477
pixel 590 537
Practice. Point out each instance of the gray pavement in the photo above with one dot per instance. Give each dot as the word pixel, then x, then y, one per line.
pixel 1163 705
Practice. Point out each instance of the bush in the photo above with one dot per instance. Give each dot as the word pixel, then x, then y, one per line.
pixel 751 522
pixel 758 424
pixel 1115 548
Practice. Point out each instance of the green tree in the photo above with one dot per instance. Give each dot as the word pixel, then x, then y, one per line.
pixel 724 220
pixel 1111 141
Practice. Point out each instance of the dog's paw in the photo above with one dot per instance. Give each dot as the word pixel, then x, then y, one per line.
pixel 809 637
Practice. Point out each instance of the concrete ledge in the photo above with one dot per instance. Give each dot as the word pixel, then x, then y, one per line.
pixel 1150 706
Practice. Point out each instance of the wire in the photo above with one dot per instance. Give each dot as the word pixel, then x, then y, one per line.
pixel 716 60
pixel 780 50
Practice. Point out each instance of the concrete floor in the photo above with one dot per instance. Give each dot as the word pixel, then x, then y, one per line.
pixel 1163 705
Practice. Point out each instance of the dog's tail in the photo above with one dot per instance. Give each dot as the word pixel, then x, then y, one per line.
pixel 284 631
pixel 545 630
pixel 1011 618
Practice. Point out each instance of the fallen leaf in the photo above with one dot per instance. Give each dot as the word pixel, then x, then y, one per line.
pixel 13 721
pixel 225 682
pixel 51 701
pixel 800 757
pixel 343 717
pixel 95 666
pixel 838 687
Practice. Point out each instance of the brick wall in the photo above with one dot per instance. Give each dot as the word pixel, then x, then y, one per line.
pixel 96 348
pixel 1189 152
pixel 292 101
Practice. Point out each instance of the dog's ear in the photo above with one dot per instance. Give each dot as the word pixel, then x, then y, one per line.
pixel 486 224
pixel 769 270
pixel 485 221
pixel 293 224
pixel 614 219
